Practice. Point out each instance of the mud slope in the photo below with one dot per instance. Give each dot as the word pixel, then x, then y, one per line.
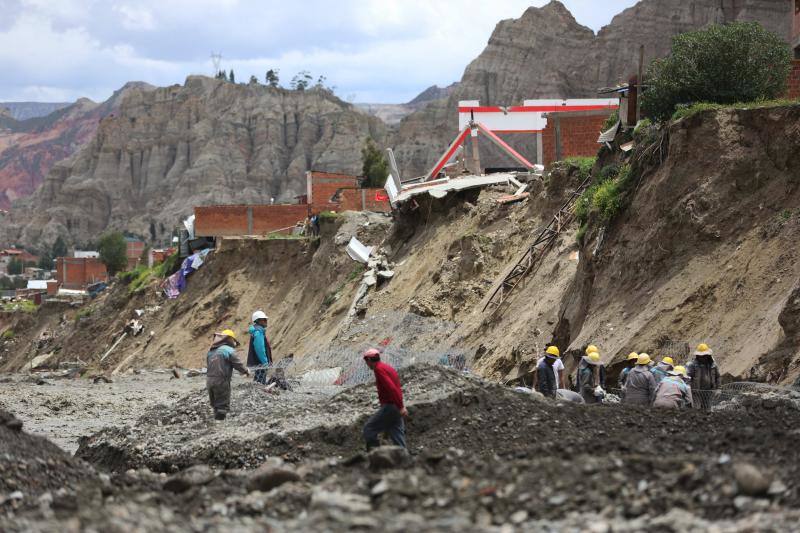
pixel 707 250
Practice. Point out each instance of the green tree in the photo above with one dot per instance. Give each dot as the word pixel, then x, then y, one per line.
pixel 301 81
pixel 15 267
pixel 721 64
pixel 373 165
pixel 113 252
pixel 231 77
pixel 45 261
pixel 253 80
pixel 59 248
pixel 272 78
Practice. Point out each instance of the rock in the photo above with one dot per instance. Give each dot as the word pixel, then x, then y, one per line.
pixel 777 488
pixel 750 480
pixel 380 487
pixel 191 477
pixel 10 421
pixel 351 503
pixel 385 457
pixel 268 476
pixel 519 517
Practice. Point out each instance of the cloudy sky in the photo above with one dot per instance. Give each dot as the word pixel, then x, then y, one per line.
pixel 370 50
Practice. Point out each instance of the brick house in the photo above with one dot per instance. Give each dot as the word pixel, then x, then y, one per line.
pixel 325 191
pixel 77 273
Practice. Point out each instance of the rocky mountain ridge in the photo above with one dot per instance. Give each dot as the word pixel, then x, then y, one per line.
pixel 207 141
pixel 546 53
pixel 29 148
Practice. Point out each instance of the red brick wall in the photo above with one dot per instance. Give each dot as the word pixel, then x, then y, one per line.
pixel 578 137
pixel 220 220
pixel 325 184
pixel 267 218
pixel 794 80
pixel 78 272
pixel 232 220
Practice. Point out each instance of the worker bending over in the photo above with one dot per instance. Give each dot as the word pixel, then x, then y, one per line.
pixel 673 392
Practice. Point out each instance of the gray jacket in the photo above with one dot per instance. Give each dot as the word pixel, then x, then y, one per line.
pixel 640 386
pixel 674 393
pixel 220 362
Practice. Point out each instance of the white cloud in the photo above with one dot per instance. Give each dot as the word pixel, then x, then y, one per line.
pixel 135 18
pixel 379 50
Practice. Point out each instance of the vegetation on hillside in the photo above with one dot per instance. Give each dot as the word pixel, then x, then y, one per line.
pixel 720 64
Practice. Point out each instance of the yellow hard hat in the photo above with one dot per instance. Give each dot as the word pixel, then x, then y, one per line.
pixel 703 349
pixel 680 370
pixel 591 349
pixel 668 360
pixel 553 350
pixel 644 359
pixel 632 356
pixel 594 357
pixel 228 333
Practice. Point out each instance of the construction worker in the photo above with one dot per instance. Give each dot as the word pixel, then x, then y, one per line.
pixel 704 374
pixel 590 382
pixel 661 369
pixel 220 362
pixel 640 385
pixel 672 391
pixel 389 418
pixel 558 369
pixel 546 374
pixel 259 352
pixel 630 362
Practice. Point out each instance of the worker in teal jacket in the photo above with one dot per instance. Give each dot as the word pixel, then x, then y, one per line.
pixel 259 353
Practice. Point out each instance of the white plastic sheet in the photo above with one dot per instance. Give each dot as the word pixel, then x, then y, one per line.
pixel 357 251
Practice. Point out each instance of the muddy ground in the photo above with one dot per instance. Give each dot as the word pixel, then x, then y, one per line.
pixel 483 458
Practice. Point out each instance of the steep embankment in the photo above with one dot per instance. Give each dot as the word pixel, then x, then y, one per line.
pixel 545 53
pixel 172 148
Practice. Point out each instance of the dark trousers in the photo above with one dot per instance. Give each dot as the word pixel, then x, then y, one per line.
pixel 260 376
pixel 220 397
pixel 386 420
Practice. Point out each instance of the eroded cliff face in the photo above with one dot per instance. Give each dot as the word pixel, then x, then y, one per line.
pixel 205 142
pixel 546 54
pixel 29 148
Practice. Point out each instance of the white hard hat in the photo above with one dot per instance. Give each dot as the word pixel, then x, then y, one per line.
pixel 259 314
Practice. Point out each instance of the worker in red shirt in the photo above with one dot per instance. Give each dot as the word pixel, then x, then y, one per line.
pixel 389 418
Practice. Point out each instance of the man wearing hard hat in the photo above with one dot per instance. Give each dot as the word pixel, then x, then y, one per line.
pixel 220 362
pixel 259 352
pixel 704 374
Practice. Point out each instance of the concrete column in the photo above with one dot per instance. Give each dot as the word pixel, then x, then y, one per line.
pixel 557 128
pixel 539 148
